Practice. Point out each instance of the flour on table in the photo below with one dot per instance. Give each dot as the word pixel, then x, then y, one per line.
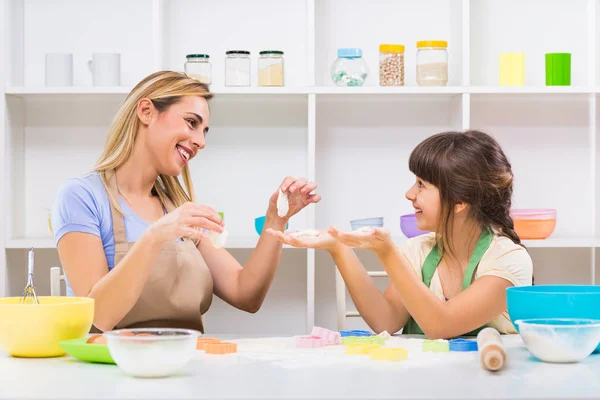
pixel 283 353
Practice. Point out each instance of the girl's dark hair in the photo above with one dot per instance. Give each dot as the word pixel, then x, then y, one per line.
pixel 467 167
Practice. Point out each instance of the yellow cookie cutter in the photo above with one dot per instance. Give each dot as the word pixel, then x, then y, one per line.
pixel 389 354
pixel 360 348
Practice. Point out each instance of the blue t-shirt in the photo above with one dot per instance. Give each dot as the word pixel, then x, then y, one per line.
pixel 82 205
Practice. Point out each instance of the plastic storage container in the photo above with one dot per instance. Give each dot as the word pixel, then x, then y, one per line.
pixel 237 68
pixel 560 340
pixel 408 225
pixel 270 68
pixel 198 67
pixel 349 69
pixel 553 301
pixel 391 65
pixel 432 63
pixel 534 223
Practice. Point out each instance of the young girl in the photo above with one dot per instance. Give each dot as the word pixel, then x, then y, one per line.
pixel 452 281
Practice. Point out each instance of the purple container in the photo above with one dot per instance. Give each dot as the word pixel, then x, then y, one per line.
pixel 408 224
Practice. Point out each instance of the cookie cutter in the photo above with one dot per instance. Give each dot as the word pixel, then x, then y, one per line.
pixel 309 342
pixel 220 348
pixel 463 345
pixel 389 354
pixel 435 346
pixel 329 337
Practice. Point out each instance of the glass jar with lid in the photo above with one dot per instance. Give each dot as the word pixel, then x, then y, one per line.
pixel 237 68
pixel 349 69
pixel 432 63
pixel 198 67
pixel 270 68
pixel 391 65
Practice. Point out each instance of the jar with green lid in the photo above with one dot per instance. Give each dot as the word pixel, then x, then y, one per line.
pixel 198 67
pixel 270 68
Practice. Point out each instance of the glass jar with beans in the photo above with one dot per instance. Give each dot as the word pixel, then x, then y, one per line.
pixel 391 65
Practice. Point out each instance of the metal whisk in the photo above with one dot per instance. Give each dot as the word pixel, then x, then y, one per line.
pixel 29 296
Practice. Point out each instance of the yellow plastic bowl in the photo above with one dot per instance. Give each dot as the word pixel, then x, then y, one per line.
pixel 35 330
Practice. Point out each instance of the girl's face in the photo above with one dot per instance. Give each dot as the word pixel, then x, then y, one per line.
pixel 425 198
pixel 176 135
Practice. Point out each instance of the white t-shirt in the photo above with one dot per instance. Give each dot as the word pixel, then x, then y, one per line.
pixel 503 258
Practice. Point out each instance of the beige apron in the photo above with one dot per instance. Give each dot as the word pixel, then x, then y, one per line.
pixel 179 288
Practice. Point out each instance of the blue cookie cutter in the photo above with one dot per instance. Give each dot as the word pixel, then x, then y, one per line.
pixel 463 345
pixel 357 332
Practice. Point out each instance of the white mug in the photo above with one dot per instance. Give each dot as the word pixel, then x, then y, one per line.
pixel 106 69
pixel 59 69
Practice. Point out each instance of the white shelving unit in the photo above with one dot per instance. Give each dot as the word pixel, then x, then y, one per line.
pixel 354 142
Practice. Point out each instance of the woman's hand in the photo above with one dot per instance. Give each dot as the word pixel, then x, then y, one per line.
pixel 377 240
pixel 299 192
pixel 186 221
pixel 308 240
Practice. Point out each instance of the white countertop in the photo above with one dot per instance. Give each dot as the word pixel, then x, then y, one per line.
pixel 274 368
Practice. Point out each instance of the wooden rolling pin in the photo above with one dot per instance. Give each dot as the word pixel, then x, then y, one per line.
pixel 491 349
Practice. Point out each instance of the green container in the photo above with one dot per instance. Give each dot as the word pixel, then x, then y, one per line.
pixel 558 69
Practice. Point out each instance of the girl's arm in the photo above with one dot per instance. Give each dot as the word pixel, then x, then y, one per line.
pixel 381 311
pixel 480 303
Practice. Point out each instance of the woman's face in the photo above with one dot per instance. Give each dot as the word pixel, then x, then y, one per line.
pixel 425 198
pixel 176 135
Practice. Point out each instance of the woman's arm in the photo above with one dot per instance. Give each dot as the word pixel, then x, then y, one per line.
pixel 84 262
pixel 245 287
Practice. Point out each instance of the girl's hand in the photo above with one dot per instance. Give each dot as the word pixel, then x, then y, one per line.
pixel 299 192
pixel 377 240
pixel 323 241
pixel 186 221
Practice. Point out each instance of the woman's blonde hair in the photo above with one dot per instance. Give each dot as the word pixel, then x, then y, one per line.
pixel 163 88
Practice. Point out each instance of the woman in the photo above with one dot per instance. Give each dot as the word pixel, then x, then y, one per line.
pixel 452 281
pixel 130 237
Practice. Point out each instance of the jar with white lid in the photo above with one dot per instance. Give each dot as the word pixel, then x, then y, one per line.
pixel 349 69
pixel 432 63
pixel 270 68
pixel 237 68
pixel 198 67
pixel 391 65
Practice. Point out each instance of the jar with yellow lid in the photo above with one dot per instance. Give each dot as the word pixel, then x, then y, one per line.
pixel 432 63
pixel 391 65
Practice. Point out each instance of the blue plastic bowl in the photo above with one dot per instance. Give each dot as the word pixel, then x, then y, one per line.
pixel 259 224
pixel 553 301
pixel 376 222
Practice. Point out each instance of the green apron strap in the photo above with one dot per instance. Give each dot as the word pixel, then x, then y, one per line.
pixel 430 265
pixel 480 248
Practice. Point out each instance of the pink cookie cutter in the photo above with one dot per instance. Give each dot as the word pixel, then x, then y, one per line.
pixel 310 341
pixel 329 337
